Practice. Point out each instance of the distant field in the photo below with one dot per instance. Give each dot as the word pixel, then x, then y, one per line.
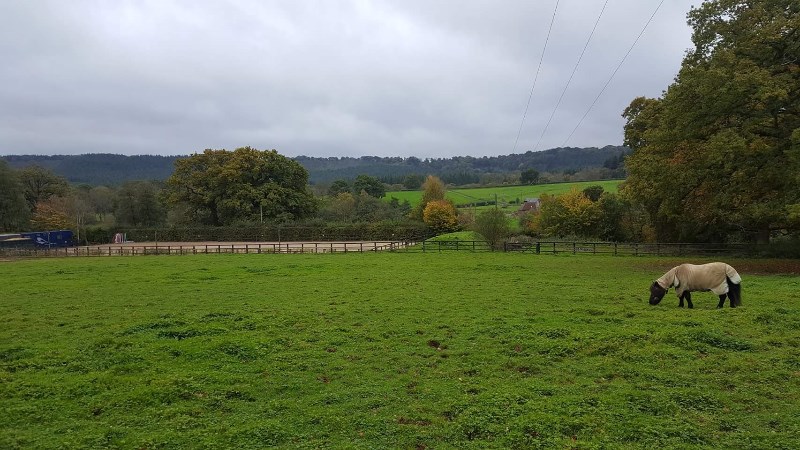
pixel 395 350
pixel 505 193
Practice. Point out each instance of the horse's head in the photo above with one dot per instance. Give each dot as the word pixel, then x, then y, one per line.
pixel 656 293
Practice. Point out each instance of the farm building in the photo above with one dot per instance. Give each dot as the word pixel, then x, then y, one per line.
pixel 529 205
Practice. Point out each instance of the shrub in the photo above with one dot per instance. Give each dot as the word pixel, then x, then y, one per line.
pixel 440 216
pixel 493 225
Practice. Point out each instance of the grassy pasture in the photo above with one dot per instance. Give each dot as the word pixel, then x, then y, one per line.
pixel 392 351
pixel 505 193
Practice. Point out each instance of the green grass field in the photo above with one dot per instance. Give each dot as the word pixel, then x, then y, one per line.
pixel 400 350
pixel 505 193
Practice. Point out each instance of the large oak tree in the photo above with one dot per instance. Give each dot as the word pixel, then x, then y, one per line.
pixel 719 153
pixel 223 187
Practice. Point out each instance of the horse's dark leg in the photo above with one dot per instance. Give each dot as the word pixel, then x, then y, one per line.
pixel 734 293
pixel 680 300
pixel 688 299
pixel 722 300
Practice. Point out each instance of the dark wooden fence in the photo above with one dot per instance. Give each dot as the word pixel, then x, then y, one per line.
pixel 632 249
pixel 595 248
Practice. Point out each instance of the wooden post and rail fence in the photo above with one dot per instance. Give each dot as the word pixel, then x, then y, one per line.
pixel 425 246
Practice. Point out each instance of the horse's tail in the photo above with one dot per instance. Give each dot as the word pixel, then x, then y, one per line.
pixel 735 291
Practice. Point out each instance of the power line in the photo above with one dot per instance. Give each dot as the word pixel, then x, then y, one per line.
pixel 525 114
pixel 574 69
pixel 614 73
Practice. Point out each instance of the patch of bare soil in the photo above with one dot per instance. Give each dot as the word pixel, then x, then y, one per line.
pixel 769 266
pixel 743 266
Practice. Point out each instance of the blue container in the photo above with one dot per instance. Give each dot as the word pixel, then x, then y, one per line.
pixel 49 239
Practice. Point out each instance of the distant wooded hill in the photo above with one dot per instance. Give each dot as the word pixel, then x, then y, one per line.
pixel 108 169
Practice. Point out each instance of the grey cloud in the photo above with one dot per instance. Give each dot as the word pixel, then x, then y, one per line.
pixel 331 78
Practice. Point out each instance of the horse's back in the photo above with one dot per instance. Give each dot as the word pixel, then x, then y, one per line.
pixel 703 277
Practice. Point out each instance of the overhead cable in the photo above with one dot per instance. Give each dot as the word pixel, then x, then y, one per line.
pixel 574 69
pixel 544 49
pixel 613 74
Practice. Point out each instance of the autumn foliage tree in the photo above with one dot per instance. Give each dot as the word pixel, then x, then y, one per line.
pixel 52 214
pixel 440 216
pixel 570 214
pixel 433 189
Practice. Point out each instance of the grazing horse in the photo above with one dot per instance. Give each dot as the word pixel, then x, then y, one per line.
pixel 718 277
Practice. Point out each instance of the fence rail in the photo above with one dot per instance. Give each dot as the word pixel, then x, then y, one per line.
pixel 432 246
pixel 631 249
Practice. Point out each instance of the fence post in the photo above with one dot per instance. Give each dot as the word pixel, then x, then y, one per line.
pixel 574 247
pixel 537 247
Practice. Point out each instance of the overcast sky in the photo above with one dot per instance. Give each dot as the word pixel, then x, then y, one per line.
pixel 428 78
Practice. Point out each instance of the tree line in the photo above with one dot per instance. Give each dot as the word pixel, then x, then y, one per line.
pixel 589 163
pixel 241 188
pixel 215 188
